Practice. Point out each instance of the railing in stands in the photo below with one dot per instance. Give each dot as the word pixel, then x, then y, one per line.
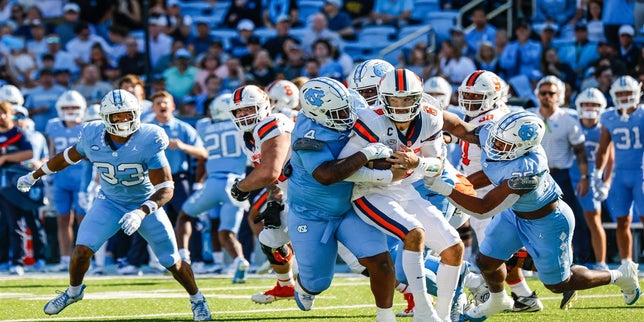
pixel 506 7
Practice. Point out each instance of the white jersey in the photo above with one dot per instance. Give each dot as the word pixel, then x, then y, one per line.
pixel 471 153
pixel 424 136
pixel 268 128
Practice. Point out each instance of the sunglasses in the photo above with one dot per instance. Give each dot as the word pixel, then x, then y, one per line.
pixel 547 93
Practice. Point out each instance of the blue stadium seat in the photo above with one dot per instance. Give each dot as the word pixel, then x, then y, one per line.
pixel 225 35
pixel 423 7
pixel 364 51
pixel 195 9
pixel 376 34
pixel 442 21
pixel 308 8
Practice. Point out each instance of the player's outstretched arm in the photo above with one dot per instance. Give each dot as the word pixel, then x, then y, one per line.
pixel 459 128
pixel 59 162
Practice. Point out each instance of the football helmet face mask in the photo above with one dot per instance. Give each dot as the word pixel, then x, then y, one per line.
pixel 479 92
pixel 11 94
pixel 120 101
pixel 440 89
pixel 71 106
pixel 626 92
pixel 513 136
pixel 404 89
pixel 594 102
pixel 365 77
pixel 328 103
pixel 284 95
pixel 219 107
pixel 250 105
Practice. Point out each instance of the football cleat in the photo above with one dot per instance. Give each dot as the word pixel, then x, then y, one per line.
pixel 629 282
pixel 304 300
pixel 568 298
pixel 200 310
pixel 489 308
pixel 277 293
pixel 459 306
pixel 129 270
pixel 480 293
pixel 409 311
pixel 241 271
pixel 62 301
pixel 527 303
pixel 61 267
pixel 17 270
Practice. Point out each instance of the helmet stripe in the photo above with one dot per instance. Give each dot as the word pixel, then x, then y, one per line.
pixel 118 100
pixel 473 77
pixel 238 95
pixel 401 84
pixel 358 74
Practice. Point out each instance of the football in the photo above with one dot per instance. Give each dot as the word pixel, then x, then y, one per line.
pixel 379 164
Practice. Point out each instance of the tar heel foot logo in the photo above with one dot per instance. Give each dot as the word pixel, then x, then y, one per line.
pixel 302 229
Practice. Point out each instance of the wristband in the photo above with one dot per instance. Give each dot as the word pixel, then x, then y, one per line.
pixel 152 206
pixel 584 177
pixel 46 169
pixel 67 159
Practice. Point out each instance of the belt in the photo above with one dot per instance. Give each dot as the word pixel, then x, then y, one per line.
pixel 539 213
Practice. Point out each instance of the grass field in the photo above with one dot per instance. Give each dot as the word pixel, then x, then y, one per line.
pixel 160 298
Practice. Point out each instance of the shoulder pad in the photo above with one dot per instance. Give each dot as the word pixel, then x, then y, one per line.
pixel 524 182
pixel 308 144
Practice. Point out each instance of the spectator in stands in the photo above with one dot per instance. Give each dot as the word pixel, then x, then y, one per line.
pixel 319 30
pixel 551 65
pixel 276 9
pixel 211 89
pixel 454 67
pixel 628 50
pixel 640 63
pixel 97 14
pixel 482 31
pixel 135 85
pixel 167 61
pixel 62 59
pixel 42 99
pixel 133 62
pixel 32 13
pixel 180 78
pixel 338 20
pixel 458 40
pixel 329 67
pixel 217 48
pixel 393 13
pixel 116 37
pixel 501 40
pixel 71 17
pixel 274 44
pixel 81 45
pixel 606 51
pixel 160 43
pixel 37 45
pixel 207 67
pixel 582 53
pixel 292 65
pixel 243 9
pixel 63 77
pixel 128 14
pixel 253 47
pixel 311 68
pixel 486 58
pixel 99 59
pixel 199 43
pixel 23 64
pixel 560 12
pixel 176 20
pixel 547 34
pixel 615 14
pixel 5 9
pixel 238 45
pixel 90 84
pixel 359 11
pixel 232 74
pixel 594 20
pixel 262 71
pixel 418 60
pixel 521 56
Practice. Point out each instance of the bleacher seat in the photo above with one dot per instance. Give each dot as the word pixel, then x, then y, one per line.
pixel 265 33
pixel 442 22
pixel 376 34
pixel 409 30
pixel 308 8
pixel 424 7
pixel 195 9
pixel 364 51
pixel 225 35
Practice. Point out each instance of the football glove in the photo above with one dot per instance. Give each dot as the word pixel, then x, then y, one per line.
pixel 436 184
pixel 25 182
pixel 131 221
pixel 238 194
pixel 601 191
pixel 271 215
pixel 376 151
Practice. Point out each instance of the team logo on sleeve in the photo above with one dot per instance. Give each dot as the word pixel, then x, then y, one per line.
pixel 527 132
pixel 314 97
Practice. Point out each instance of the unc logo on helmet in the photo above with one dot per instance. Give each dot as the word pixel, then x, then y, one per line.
pixel 527 132
pixel 380 69
pixel 314 97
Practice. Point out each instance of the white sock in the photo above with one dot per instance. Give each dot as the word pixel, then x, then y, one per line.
pixel 497 297
pixel 614 275
pixel 403 288
pixel 196 297
pixel 446 281
pixel 521 288
pixel 184 253
pixel 64 260
pixel 412 263
pixel 387 313
pixel 74 290
pixel 285 279
pixel 218 257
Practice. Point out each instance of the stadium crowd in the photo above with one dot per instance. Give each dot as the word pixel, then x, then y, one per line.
pixel 564 61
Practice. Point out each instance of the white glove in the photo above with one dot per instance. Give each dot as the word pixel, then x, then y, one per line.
pixel 430 166
pixel 197 186
pixel 596 180
pixel 25 182
pixel 83 200
pixel 131 221
pixel 375 151
pixel 601 191
pixel 436 184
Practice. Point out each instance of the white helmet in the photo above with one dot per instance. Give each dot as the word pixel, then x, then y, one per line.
pixel 594 96
pixel 550 79
pixel 366 75
pixel 11 94
pixel 439 88
pixel 505 91
pixel 484 83
pixel 284 95
pixel 400 83
pixel 118 101
pixel 219 107
pixel 92 113
pixel 71 98
pixel 625 84
pixel 513 136
pixel 328 102
pixel 249 96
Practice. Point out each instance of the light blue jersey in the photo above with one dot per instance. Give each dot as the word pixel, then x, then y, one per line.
pixel 177 129
pixel 62 138
pixel 592 134
pixel 123 171
pixel 626 136
pixel 308 192
pixel 223 142
pixel 533 163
